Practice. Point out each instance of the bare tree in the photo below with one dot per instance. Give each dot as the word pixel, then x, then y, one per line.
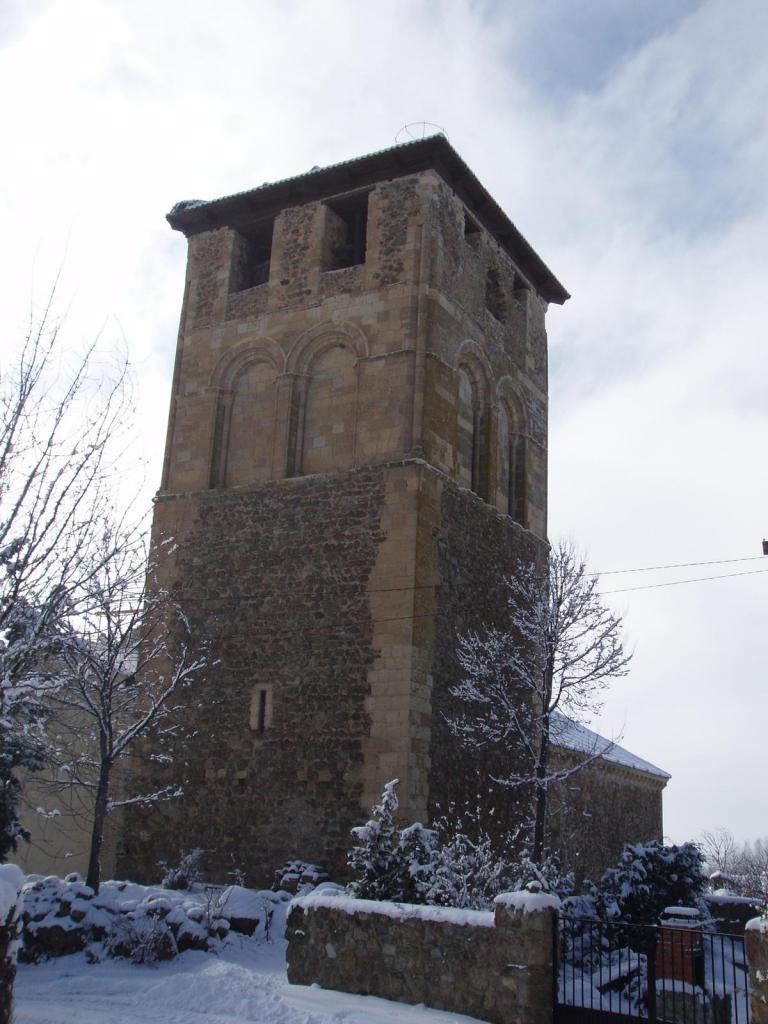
pixel 61 419
pixel 744 865
pixel 123 660
pixel 720 850
pixel 525 683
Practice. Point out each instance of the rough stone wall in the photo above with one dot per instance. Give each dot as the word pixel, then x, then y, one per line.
pixel 275 576
pixel 507 357
pixel 10 925
pixel 756 945
pixel 731 913
pixel 497 967
pixel 596 811
pixel 476 550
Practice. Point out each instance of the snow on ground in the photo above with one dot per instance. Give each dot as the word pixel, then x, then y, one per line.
pixel 245 983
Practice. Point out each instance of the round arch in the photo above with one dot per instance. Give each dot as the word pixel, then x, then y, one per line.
pixel 252 350
pixel 316 340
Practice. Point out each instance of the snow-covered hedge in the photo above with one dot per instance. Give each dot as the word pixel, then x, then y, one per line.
pixel 141 923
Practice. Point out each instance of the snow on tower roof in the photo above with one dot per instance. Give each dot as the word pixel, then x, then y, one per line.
pixel 574 736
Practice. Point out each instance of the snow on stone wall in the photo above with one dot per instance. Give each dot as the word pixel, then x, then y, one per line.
pixel 497 967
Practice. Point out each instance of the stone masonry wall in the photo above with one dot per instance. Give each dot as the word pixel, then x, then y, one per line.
pixel 756 944
pixel 599 809
pixel 494 966
pixel 477 549
pixel 275 576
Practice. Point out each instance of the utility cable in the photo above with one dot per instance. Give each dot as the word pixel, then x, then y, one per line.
pixel 678 565
pixel 678 583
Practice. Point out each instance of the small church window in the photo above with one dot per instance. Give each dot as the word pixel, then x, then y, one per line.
pixel 494 296
pixel 346 232
pixel 261 709
pixel 521 290
pixel 252 259
pixel 471 231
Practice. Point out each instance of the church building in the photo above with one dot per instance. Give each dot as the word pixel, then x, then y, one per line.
pixel 356 458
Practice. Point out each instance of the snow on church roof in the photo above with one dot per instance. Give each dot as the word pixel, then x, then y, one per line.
pixel 575 736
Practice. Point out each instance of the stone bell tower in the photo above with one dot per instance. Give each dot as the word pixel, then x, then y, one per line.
pixel 356 456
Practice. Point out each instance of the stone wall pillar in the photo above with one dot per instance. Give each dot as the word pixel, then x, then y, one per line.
pixel 11 880
pixel 527 924
pixel 756 943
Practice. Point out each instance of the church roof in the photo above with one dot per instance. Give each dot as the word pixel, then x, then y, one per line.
pixel 573 736
pixel 435 153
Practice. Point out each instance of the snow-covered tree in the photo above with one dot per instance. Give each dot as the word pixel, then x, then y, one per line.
pixel 390 863
pixel 468 870
pixel 648 878
pixel 121 665
pixel 559 649
pixel 61 418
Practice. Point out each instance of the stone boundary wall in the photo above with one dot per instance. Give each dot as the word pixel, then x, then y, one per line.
pixel 11 880
pixel 493 965
pixel 731 913
pixel 756 945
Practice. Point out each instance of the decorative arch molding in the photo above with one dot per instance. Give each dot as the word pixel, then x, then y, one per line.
pixel 511 442
pixel 318 339
pixel 508 392
pixel 244 421
pixel 472 445
pixel 471 357
pixel 237 359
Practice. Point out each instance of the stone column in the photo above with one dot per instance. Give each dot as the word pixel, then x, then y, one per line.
pixel 527 925
pixel 756 944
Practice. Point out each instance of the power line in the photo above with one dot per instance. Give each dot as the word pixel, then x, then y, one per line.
pixel 678 583
pixel 678 565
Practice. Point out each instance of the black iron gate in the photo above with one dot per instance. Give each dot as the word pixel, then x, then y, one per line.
pixel 615 973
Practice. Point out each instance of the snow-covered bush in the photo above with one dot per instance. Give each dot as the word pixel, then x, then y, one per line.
pixel 143 939
pixel 297 873
pixel 548 874
pixel 467 872
pixel 389 863
pixel 648 878
pixel 455 864
pixel 187 872
pixel 140 923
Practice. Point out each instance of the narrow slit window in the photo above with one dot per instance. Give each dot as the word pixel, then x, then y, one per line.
pixel 494 296
pixel 471 231
pixel 261 710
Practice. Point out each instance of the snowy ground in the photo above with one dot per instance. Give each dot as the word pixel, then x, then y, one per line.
pixel 247 982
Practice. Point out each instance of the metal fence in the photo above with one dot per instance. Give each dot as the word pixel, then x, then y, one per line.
pixel 662 973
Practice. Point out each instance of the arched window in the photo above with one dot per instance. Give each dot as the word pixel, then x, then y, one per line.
pixel 511 471
pixel 328 434
pixel 467 430
pixel 503 460
pixel 472 430
pixel 245 427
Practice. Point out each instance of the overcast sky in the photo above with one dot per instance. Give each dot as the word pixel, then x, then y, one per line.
pixel 627 139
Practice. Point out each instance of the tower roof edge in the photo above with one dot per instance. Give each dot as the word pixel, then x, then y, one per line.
pixel 432 153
